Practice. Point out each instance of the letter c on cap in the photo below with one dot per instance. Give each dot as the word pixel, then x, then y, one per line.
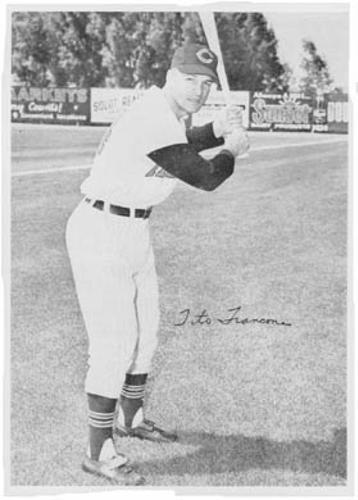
pixel 205 56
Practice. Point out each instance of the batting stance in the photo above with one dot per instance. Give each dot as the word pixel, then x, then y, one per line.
pixel 137 166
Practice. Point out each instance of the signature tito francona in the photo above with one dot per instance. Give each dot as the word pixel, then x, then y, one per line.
pixel 233 317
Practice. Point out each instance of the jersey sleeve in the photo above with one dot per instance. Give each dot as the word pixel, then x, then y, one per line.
pixel 183 161
pixel 203 137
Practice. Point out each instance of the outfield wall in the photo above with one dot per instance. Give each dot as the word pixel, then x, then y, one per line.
pixel 101 106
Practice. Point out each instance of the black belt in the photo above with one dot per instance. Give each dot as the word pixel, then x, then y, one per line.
pixel 117 210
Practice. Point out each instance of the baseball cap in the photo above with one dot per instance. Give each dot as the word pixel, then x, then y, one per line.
pixel 196 59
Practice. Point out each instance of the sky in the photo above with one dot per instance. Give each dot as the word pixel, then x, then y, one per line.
pixel 328 31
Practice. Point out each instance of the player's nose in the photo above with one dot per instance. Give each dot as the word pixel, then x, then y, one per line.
pixel 198 88
pixel 199 91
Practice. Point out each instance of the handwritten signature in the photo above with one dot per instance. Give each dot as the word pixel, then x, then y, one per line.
pixel 204 318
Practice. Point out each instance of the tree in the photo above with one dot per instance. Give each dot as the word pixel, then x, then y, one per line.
pixel 250 52
pixel 139 47
pixel 128 49
pixel 287 79
pixel 80 37
pixel 192 28
pixel 118 50
pixel 58 48
pixel 316 79
pixel 338 91
pixel 164 36
pixel 31 48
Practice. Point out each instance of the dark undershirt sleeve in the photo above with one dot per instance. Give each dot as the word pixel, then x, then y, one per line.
pixel 182 161
pixel 203 137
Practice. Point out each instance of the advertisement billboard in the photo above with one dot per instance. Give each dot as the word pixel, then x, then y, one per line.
pixel 216 102
pixel 290 112
pixel 260 111
pixel 337 113
pixel 108 105
pixel 49 105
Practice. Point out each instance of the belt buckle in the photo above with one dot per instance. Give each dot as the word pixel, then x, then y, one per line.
pixel 91 201
pixel 141 213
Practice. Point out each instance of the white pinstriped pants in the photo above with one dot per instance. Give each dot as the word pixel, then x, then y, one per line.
pixel 113 268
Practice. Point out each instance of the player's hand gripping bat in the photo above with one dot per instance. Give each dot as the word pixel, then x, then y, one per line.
pixel 208 22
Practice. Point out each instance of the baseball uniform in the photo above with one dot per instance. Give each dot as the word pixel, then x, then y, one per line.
pixel 111 255
pixel 138 164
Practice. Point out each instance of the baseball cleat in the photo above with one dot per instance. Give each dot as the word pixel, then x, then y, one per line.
pixel 113 466
pixel 114 469
pixel 147 430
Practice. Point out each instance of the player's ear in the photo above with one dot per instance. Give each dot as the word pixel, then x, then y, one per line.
pixel 170 76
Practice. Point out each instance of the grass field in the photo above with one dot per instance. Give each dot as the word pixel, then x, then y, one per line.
pixel 254 404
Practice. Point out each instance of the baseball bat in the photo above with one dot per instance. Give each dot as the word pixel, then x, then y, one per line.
pixel 208 22
pixel 207 19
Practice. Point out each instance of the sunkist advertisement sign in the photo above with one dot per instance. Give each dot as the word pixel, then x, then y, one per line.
pixel 280 112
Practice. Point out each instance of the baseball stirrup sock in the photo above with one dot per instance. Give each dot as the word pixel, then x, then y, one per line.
pixel 132 396
pixel 101 413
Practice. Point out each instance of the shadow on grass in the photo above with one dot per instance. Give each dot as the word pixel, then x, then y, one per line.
pixel 236 453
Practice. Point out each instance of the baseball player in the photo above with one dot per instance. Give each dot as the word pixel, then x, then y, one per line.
pixel 139 162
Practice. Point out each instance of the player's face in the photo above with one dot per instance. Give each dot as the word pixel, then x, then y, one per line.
pixel 190 91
